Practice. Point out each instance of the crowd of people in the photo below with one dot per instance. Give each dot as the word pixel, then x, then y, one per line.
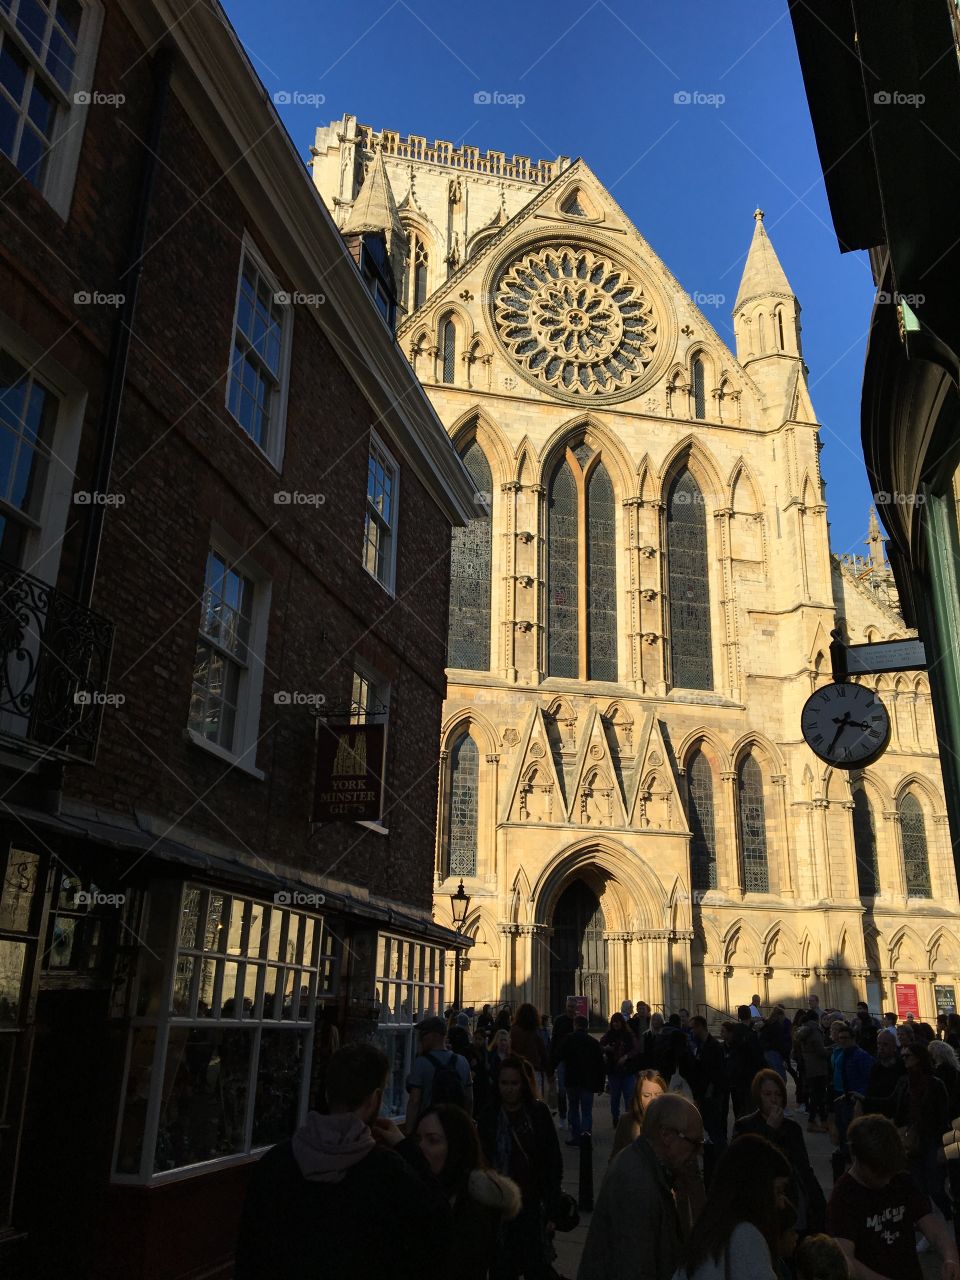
pixel 709 1176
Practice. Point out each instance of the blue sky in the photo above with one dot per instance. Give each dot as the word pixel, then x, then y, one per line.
pixel 599 79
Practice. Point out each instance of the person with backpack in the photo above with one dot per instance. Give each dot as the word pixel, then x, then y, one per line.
pixel 438 1075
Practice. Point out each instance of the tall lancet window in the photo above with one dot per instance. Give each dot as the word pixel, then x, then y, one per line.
pixel 449 347
pixel 688 585
pixel 418 267
pixel 699 391
pixel 462 818
pixel 916 861
pixel 581 569
pixel 865 845
pixel 703 847
pixel 470 559
pixel 753 827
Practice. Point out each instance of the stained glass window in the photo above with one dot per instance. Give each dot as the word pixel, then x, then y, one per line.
pixel 601 578
pixel 449 350
pixel 470 556
pixel 865 845
pixel 753 828
pixel 464 781
pixel 691 655
pixel 699 395
pixel 703 847
pixel 562 657
pixel 916 863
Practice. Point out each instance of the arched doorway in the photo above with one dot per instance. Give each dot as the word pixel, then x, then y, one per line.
pixel 578 952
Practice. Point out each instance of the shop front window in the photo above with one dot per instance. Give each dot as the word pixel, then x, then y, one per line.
pixel 221 1044
pixel 409 983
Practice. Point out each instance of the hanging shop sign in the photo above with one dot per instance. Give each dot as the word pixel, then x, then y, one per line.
pixel 349 779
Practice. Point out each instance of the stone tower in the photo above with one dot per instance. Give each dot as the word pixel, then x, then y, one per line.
pixel 638 614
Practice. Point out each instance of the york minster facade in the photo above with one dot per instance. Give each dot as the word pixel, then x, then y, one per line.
pixel 640 610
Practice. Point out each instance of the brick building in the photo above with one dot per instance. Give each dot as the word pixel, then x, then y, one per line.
pixel 225 535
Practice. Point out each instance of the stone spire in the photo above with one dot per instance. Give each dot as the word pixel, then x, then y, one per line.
pixel 766 322
pixel 375 211
pixel 763 276
pixel 875 540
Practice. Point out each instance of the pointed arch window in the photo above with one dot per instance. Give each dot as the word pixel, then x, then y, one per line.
pixel 753 827
pixel 779 319
pixel 581 568
pixel 462 820
pixel 470 559
pixel 703 847
pixel 449 347
pixel 916 860
pixel 691 639
pixel 865 845
pixel 419 261
pixel 699 391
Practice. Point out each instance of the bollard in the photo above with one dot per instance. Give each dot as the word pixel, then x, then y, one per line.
pixel 585 1193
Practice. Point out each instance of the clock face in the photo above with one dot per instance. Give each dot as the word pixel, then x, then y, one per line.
pixel 845 724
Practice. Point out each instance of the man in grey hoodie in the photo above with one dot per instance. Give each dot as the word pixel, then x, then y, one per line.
pixel 312 1201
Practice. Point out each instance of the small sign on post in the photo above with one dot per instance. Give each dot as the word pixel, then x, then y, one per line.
pixel 946 998
pixel 581 1006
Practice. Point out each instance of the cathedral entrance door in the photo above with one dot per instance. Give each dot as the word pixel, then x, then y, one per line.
pixel 578 958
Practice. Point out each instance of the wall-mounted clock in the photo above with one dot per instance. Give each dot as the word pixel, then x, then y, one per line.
pixel 846 725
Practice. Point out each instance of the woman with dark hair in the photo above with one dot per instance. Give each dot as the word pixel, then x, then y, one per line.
pixel 769 1095
pixel 920 1109
pixel 480 1198
pixel 519 1140
pixel 526 1040
pixel 737 1234
pixel 650 1084
pixel 620 1048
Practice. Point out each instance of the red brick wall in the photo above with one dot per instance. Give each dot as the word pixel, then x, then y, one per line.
pixel 183 464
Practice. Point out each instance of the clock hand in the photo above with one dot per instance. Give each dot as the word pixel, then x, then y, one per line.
pixel 841 725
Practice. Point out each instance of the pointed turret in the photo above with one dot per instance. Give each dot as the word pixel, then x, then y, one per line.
pixel 766 320
pixel 375 212
pixel 875 540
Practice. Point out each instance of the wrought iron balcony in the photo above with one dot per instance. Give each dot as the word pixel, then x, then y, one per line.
pixel 54 663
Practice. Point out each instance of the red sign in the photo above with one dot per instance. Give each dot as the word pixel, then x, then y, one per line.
pixel 907 1001
pixel 581 1006
pixel 349 783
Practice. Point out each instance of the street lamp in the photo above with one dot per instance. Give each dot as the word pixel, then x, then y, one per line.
pixel 460 905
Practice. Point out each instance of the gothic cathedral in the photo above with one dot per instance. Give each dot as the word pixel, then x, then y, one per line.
pixel 639 611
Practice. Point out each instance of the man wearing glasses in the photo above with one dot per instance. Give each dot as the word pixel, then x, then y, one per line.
pixel 649 1199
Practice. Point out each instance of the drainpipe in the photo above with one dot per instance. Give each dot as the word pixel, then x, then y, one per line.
pixel 109 422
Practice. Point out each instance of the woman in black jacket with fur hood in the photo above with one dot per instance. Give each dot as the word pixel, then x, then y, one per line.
pixel 481 1199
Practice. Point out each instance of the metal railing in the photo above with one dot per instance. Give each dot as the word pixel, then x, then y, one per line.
pixel 54 664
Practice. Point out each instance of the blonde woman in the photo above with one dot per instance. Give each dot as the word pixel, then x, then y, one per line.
pixel 499 1049
pixel 650 1085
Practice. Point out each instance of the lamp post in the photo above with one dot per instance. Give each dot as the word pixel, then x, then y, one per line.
pixel 460 905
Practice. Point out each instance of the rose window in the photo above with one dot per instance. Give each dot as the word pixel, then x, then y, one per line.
pixel 576 321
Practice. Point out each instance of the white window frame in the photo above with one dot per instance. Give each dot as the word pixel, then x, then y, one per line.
pixel 46 531
pixel 160 951
pixel 381 691
pixel 425 991
pixel 389 581
pixel 244 752
pixel 60 178
pixel 277 429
